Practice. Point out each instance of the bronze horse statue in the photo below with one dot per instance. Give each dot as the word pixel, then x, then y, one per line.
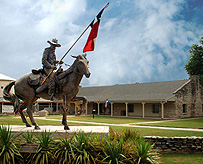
pixel 70 79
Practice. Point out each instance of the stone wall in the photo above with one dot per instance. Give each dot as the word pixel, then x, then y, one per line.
pixel 119 109
pixel 170 110
pixel 190 94
pixel 177 144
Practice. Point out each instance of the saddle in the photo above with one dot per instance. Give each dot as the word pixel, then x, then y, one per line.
pixel 35 79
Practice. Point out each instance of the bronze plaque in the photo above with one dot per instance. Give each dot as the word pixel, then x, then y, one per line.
pixel 29 148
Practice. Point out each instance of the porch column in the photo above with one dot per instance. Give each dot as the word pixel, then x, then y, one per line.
pixel 126 108
pixel 86 108
pixel 51 107
pixel 111 108
pixel 75 108
pixel 98 108
pixel 57 107
pixel 162 110
pixel 143 109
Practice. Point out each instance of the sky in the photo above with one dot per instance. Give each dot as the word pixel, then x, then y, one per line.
pixel 138 40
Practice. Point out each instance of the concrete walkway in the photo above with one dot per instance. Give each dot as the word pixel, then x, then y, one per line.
pixel 136 125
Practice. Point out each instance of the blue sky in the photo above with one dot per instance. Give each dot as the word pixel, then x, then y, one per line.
pixel 138 40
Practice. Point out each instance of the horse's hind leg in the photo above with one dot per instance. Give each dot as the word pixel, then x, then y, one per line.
pixel 23 106
pixel 29 112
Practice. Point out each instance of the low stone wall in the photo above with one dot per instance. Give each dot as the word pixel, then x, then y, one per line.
pixel 177 144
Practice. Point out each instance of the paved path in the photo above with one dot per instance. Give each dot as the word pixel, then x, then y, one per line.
pixel 136 124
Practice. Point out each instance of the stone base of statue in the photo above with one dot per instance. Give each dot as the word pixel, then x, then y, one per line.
pixel 59 130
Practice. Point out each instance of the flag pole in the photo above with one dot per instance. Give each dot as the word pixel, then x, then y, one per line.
pixel 70 49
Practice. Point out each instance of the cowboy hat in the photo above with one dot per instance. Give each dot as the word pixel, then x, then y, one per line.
pixel 54 42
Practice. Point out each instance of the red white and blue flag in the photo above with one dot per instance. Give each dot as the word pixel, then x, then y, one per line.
pixel 91 41
pixel 107 103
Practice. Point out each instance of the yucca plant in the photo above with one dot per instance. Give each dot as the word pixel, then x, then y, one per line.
pixel 84 149
pixel 45 154
pixel 144 152
pixel 9 153
pixel 29 137
pixel 115 152
pixel 64 152
pixel 129 135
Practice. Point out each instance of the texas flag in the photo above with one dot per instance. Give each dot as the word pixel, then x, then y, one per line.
pixel 91 41
pixel 107 103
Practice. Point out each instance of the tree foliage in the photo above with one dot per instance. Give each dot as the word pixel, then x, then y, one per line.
pixel 195 63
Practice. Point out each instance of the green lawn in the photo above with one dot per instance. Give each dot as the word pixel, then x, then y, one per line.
pixel 105 119
pixel 160 132
pixel 12 120
pixel 182 158
pixel 193 123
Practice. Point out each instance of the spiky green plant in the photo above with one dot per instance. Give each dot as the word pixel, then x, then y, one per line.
pixel 115 152
pixel 46 150
pixel 29 137
pixel 129 135
pixel 85 151
pixel 144 152
pixel 64 152
pixel 9 153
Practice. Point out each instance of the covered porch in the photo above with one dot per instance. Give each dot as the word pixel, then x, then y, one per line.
pixel 141 109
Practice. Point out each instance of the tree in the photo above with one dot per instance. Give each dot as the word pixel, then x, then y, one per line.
pixel 195 63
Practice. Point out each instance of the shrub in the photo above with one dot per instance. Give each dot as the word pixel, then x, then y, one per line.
pixel 9 153
pixel 64 151
pixel 144 152
pixel 84 149
pixel 46 150
pixel 119 147
pixel 115 152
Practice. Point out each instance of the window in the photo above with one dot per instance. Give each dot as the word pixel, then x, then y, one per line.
pixel 155 108
pixel 184 108
pixel 2 87
pixel 130 107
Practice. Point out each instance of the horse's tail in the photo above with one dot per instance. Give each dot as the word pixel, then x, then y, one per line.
pixel 11 97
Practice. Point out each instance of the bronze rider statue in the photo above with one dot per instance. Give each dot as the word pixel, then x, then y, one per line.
pixel 49 64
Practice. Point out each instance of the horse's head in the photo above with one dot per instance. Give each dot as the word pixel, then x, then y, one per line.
pixel 82 65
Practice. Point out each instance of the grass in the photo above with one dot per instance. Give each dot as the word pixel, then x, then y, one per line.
pixel 160 132
pixel 106 119
pixel 192 123
pixel 12 120
pixel 182 158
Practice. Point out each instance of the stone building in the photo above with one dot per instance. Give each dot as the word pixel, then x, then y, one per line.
pixel 169 99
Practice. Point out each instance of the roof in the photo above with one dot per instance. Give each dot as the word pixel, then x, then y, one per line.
pixel 4 77
pixel 155 91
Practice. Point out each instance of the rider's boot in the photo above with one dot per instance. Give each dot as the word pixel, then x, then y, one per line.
pixel 40 89
pixel 51 90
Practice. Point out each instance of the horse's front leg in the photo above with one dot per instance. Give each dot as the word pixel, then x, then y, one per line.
pixel 29 112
